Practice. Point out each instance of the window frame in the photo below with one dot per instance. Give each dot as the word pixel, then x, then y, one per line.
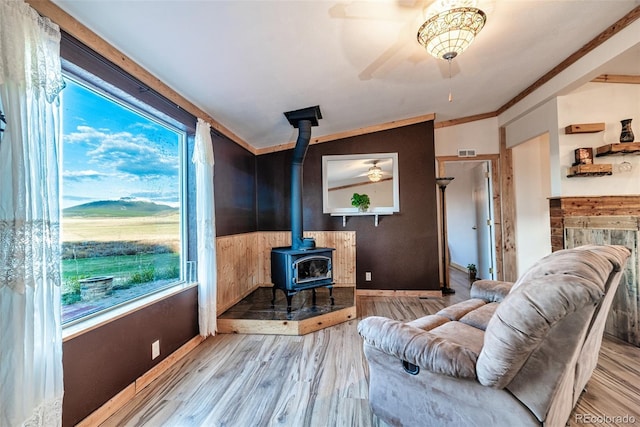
pixel 74 56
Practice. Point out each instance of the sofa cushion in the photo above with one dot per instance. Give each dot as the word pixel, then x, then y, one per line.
pixel 525 316
pixel 456 311
pixel 429 322
pixel 479 318
pixel 490 290
pixel 459 333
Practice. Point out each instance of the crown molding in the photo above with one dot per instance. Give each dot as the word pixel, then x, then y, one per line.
pixel 354 132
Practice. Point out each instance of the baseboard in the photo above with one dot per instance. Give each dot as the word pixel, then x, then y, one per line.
pixel 101 414
pixel 397 293
pixel 458 267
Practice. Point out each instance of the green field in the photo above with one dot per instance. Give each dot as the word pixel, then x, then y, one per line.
pixel 127 271
pixel 119 266
pixel 135 242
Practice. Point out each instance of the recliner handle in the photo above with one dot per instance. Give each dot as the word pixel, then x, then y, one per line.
pixel 410 368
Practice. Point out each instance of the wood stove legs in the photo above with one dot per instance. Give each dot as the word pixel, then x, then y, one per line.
pixel 313 298
pixel 333 301
pixel 290 294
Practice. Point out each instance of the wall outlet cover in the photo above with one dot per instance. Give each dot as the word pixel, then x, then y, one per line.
pixel 155 349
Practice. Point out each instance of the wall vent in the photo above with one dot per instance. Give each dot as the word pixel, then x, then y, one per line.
pixel 466 152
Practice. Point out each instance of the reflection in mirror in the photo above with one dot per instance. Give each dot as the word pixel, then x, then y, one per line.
pixel 375 175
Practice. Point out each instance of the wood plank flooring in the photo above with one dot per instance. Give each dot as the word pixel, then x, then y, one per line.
pixel 320 379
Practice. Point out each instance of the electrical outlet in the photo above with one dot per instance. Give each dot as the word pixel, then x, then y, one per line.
pixel 155 349
pixel 367 276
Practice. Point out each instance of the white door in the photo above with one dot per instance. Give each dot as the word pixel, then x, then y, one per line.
pixel 484 220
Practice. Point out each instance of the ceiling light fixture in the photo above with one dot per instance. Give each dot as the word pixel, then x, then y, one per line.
pixel 375 173
pixel 450 32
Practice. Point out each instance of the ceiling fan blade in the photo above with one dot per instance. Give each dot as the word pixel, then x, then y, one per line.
pixel 393 55
pixel 373 11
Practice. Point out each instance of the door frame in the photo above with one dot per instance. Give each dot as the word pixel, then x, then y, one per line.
pixel 497 205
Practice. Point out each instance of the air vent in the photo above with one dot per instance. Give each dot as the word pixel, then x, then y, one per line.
pixel 466 152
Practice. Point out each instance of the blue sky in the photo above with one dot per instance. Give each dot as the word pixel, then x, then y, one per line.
pixel 110 152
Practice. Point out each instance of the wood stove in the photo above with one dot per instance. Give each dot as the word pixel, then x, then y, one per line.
pixel 302 265
pixel 295 270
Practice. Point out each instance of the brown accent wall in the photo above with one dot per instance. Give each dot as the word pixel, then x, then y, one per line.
pixel 402 252
pixel 101 363
pixel 235 187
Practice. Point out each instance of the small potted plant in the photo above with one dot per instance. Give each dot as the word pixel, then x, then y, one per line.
pixel 360 201
pixel 471 268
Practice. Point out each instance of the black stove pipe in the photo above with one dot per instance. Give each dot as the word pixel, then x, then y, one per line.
pixel 303 120
pixel 299 153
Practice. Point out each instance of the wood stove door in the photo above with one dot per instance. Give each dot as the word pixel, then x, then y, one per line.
pixel 311 268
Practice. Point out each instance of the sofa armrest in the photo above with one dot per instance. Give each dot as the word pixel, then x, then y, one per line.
pixel 490 290
pixel 418 347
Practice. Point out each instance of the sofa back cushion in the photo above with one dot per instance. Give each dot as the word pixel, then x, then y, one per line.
pixel 572 282
pixel 586 261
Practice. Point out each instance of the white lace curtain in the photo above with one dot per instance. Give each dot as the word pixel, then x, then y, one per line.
pixel 30 330
pixel 206 229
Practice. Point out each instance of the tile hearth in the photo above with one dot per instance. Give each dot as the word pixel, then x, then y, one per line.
pixel 254 313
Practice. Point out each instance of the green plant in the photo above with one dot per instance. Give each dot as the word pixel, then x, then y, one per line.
pixel 360 201
pixel 143 276
pixel 471 267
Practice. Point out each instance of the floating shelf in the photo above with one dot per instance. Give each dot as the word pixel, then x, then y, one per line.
pixel 620 148
pixel 373 214
pixel 590 170
pixel 584 128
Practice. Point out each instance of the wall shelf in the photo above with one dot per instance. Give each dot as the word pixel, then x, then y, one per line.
pixel 373 214
pixel 620 148
pixel 590 170
pixel 584 128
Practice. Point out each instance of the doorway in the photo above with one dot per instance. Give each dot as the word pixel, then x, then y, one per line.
pixel 473 214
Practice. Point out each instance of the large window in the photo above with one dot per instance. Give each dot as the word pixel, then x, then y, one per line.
pixel 121 202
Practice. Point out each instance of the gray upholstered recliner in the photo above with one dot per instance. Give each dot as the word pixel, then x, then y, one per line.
pixel 513 354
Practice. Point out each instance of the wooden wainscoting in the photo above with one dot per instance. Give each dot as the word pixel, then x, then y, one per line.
pixel 244 261
pixel 237 265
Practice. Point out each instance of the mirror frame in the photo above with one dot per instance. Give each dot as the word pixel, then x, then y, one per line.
pixel 352 210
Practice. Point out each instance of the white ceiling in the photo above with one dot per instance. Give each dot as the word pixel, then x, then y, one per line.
pixel 246 62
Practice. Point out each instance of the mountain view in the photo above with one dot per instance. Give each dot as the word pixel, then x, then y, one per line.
pixel 118 208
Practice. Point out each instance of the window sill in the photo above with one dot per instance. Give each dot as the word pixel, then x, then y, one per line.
pixel 102 318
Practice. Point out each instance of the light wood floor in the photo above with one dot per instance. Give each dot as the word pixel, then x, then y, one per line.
pixel 320 379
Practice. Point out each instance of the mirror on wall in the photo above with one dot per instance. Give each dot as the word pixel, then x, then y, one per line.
pixel 375 175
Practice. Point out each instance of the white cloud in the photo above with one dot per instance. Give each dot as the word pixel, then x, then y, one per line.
pixel 126 153
pixel 83 175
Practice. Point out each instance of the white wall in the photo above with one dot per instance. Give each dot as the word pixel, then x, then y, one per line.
pixel 541 121
pixel 461 214
pixel 481 135
pixel 594 103
pixel 532 188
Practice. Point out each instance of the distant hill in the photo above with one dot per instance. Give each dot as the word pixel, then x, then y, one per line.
pixel 118 208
